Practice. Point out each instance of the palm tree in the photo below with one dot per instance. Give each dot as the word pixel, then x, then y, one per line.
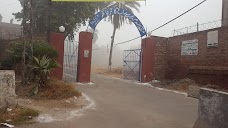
pixel 118 21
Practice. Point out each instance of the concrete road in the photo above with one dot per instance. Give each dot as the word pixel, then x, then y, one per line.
pixel 125 104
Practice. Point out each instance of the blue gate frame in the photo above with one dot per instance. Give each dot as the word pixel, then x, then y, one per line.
pixel 132 64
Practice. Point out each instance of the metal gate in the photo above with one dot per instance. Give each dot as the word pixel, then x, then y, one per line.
pixel 132 64
pixel 70 61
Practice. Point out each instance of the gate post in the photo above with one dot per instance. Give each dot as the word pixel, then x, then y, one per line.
pixel 148 59
pixel 57 41
pixel 84 57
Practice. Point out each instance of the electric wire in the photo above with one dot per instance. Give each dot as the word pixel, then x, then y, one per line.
pixel 164 24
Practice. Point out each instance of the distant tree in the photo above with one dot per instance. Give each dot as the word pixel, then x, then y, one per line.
pixel 69 14
pixel 118 20
pixel 1 17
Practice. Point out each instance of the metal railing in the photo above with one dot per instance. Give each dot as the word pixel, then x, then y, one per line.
pixel 70 61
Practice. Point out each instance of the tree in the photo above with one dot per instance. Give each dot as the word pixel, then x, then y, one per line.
pixel 69 14
pixel 40 48
pixel 41 16
pixel 118 21
pixel 1 17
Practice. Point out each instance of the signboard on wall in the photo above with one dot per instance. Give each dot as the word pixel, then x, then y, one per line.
pixel 212 39
pixel 189 47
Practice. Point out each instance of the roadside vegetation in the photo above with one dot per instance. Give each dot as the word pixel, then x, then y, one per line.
pixel 54 90
pixel 19 115
pixel 38 85
pixel 38 82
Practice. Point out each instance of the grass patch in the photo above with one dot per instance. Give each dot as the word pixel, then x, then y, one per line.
pixel 58 90
pixel 17 116
pixel 55 89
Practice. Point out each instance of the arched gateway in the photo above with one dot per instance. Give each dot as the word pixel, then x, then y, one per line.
pixel 117 11
pixel 85 43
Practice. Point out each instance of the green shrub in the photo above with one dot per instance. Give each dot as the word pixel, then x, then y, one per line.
pixel 15 50
pixel 41 48
pixel 42 68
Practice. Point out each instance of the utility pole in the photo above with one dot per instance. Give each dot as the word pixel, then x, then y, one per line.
pixel 31 26
pixel 197 26
pixel 23 80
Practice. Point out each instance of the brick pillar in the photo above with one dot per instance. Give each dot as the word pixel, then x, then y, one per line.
pixel 57 41
pixel 148 60
pixel 84 57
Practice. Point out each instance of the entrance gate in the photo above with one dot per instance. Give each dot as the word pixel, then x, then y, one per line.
pixel 70 61
pixel 138 63
pixel 132 58
pixel 132 64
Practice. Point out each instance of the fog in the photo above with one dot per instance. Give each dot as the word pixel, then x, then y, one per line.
pixel 100 56
pixel 152 14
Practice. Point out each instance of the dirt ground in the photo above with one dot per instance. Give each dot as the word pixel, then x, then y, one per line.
pixel 182 84
pixel 54 109
pixel 57 101
pixel 177 84
pixel 115 72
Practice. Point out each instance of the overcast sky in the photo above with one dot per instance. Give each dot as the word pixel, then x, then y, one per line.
pixel 152 15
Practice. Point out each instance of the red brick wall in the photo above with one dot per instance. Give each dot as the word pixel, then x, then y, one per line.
pixel 178 66
pixel 57 41
pixel 154 58
pixel 84 63
pixel 148 60
pixel 160 60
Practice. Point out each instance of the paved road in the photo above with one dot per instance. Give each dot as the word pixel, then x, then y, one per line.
pixel 124 104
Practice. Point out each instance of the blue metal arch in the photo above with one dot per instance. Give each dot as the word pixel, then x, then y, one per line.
pixel 120 11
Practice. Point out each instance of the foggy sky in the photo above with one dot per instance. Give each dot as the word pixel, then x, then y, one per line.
pixel 152 15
